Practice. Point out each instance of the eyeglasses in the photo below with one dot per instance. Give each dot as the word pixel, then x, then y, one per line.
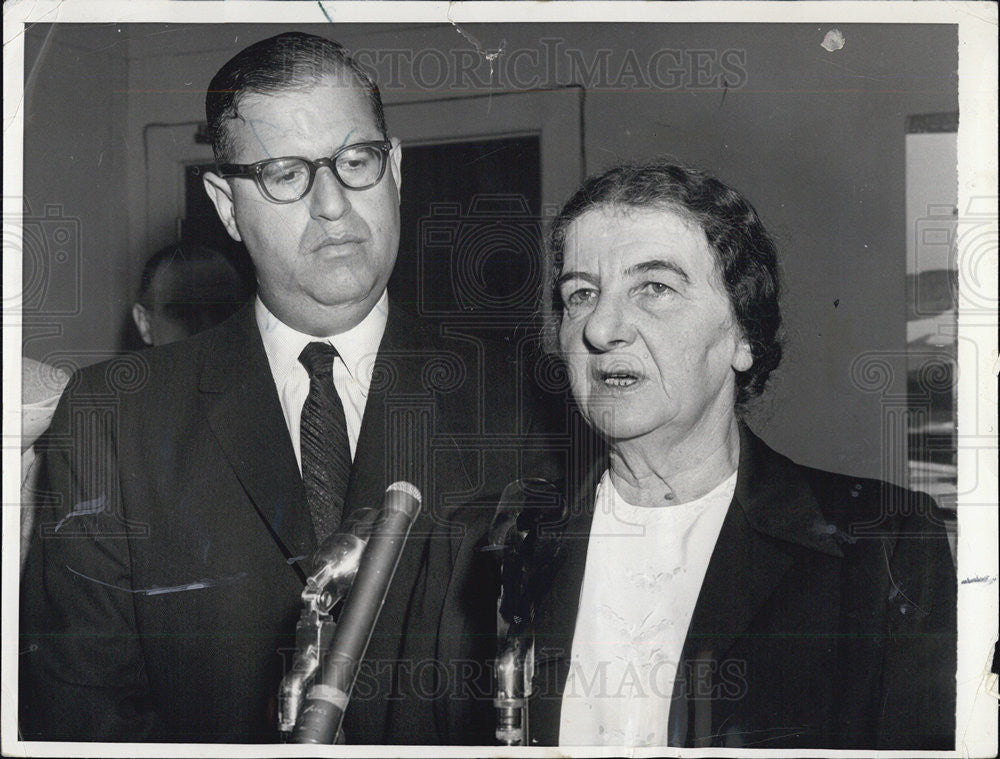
pixel 285 180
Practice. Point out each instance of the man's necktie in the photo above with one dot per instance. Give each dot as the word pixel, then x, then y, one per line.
pixel 326 453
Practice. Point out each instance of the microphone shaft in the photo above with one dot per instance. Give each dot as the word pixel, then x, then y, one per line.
pixel 322 714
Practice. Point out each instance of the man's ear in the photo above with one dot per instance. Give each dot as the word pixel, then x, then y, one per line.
pixel 142 322
pixel 396 162
pixel 221 195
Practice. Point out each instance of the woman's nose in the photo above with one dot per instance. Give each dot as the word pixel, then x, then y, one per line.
pixel 608 326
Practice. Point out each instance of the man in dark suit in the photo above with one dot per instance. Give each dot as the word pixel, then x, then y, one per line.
pixel 191 483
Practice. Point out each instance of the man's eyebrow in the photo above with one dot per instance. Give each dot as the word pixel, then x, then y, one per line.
pixel 657 264
pixel 565 277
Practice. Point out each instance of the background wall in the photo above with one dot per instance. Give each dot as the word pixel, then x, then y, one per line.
pixel 75 185
pixel 815 138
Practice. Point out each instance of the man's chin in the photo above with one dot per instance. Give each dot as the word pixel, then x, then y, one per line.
pixel 348 298
pixel 329 312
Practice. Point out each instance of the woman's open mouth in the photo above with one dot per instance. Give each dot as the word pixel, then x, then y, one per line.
pixel 618 380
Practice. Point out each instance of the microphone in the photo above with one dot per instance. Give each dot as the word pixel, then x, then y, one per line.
pixel 335 565
pixel 323 712
pixel 529 559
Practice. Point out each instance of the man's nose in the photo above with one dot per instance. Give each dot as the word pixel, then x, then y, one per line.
pixel 328 198
pixel 608 326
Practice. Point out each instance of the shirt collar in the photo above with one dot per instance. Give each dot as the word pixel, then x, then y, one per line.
pixel 357 346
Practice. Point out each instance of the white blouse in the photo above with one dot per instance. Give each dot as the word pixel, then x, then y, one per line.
pixel 644 570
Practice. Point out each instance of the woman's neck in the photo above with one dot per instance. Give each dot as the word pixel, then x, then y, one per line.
pixel 652 472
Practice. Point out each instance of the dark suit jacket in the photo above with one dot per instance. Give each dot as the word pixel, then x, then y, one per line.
pixel 162 587
pixel 827 617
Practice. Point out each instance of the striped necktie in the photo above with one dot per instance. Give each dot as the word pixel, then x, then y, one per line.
pixel 326 452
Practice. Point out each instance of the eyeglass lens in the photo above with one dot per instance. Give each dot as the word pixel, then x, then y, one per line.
pixel 289 178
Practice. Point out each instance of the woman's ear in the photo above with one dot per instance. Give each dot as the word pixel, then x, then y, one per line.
pixel 743 358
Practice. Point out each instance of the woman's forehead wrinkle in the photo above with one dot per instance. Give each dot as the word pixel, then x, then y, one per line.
pixel 581 275
pixel 656 264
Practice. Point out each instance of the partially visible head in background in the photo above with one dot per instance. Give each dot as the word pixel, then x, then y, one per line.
pixel 185 289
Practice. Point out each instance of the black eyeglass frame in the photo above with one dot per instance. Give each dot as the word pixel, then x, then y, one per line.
pixel 255 170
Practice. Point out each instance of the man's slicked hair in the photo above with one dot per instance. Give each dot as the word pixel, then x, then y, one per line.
pixel 745 255
pixel 289 62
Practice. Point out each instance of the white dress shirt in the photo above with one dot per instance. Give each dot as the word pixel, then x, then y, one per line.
pixel 352 369
pixel 644 570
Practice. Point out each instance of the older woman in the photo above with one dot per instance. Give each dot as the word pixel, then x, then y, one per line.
pixel 704 589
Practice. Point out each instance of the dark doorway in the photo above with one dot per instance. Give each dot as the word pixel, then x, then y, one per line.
pixel 201 224
pixel 470 242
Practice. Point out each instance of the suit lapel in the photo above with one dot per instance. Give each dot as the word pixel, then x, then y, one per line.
pixel 555 616
pixel 394 444
pixel 243 410
pixel 771 508
pixel 745 569
pixel 367 483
